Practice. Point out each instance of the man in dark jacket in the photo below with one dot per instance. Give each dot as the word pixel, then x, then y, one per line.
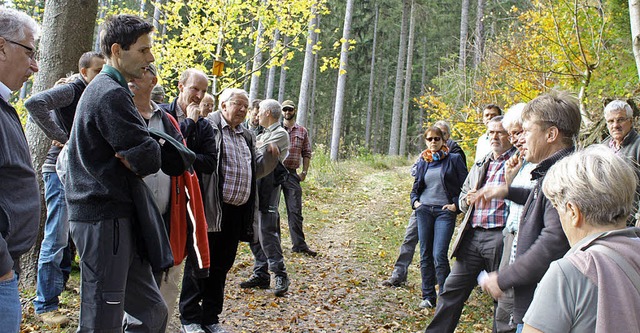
pixel 109 147
pixel 19 194
pixel 60 100
pixel 551 123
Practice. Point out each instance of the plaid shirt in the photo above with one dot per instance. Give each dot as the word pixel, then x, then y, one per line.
pixel 493 214
pixel 236 166
pixel 299 146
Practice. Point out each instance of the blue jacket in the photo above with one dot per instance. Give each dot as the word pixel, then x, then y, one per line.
pixel 452 173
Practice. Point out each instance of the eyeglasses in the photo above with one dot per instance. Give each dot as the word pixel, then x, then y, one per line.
pixel 238 104
pixel 515 135
pixel 435 138
pixel 617 121
pixel 287 109
pixel 31 53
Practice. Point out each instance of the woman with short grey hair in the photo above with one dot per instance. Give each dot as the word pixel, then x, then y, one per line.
pixel 596 284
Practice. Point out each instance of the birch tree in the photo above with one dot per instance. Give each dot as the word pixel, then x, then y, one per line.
pixel 303 98
pixel 342 81
pixel 479 35
pixel 464 35
pixel 271 75
pixel 634 15
pixel 367 136
pixel 257 62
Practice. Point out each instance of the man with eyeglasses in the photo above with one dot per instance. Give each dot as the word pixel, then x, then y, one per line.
pixel 229 195
pixel 19 193
pixel 478 246
pixel 53 111
pixel 624 141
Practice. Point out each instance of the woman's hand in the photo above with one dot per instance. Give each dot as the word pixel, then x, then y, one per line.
pixel 450 207
pixel 416 204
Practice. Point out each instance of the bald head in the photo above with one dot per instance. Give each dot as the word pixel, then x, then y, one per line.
pixel 193 86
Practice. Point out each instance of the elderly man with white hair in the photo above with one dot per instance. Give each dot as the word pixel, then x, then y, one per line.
pixel 19 194
pixel 595 287
pixel 624 141
pixel 268 250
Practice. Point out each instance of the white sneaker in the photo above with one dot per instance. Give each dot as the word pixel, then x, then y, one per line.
pixel 426 304
pixel 192 328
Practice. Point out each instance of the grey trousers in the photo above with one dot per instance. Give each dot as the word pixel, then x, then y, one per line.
pixel 503 322
pixel 115 280
pixel 268 251
pixel 407 250
pixel 481 250
pixel 293 199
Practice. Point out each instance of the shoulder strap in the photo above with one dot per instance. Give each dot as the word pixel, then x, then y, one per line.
pixel 623 263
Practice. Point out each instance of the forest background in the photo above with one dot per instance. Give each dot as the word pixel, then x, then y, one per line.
pixel 368 75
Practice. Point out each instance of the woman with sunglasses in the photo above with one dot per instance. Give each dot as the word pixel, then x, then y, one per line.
pixel 439 177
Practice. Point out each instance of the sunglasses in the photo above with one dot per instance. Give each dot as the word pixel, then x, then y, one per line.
pixel 435 138
pixel 287 109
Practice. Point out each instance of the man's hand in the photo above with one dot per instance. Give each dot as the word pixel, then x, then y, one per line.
pixel 57 143
pixel 7 276
pixel 512 166
pixel 490 192
pixel 273 149
pixel 451 207
pixel 302 176
pixel 490 285
pixel 125 162
pixel 193 111
pixel 471 197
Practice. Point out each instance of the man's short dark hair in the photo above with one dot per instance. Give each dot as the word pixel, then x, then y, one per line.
pixel 493 107
pixel 124 30
pixel 85 59
pixel 255 104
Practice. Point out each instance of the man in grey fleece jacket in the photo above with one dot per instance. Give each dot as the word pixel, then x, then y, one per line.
pixel 19 194
pixel 109 146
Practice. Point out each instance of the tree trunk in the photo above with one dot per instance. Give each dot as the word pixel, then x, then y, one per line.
pixel 397 94
pixel 407 85
pixel 303 97
pixel 634 15
pixel 479 35
pixel 423 91
pixel 257 61
pixel 464 35
pixel 283 73
pixel 312 107
pixel 67 32
pixel 271 76
pixel 367 135
pixel 342 82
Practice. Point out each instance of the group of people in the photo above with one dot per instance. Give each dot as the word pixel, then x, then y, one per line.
pixel 111 150
pixel 548 230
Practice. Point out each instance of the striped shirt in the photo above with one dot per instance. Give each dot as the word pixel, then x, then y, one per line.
pixel 236 165
pixel 493 214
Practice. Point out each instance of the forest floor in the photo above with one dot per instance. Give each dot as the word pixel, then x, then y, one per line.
pixel 355 215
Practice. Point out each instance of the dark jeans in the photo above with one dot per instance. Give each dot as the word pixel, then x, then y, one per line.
pixel 435 229
pixel 223 247
pixel 293 199
pixel 268 251
pixel 481 249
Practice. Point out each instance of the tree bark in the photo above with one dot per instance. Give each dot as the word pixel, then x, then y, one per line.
pixel 283 73
pixel 303 97
pixel 257 61
pixel 271 76
pixel 423 90
pixel 67 32
pixel 634 15
pixel 397 95
pixel 342 82
pixel 407 84
pixel 367 135
pixel 312 108
pixel 464 35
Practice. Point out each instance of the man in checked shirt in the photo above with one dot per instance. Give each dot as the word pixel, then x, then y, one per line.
pixel 480 244
pixel 299 151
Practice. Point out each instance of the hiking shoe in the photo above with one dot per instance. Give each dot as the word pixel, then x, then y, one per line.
pixel 307 251
pixel 282 285
pixel 393 282
pixel 427 304
pixel 256 282
pixel 54 318
pixel 191 328
pixel 214 328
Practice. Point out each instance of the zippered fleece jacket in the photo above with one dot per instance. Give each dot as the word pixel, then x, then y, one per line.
pixel 107 123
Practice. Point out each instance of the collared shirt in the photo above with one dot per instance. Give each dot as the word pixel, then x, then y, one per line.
pixel 483 146
pixel 299 146
pixel 5 92
pixel 270 135
pixel 180 116
pixel 236 165
pixel 522 179
pixel 493 214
